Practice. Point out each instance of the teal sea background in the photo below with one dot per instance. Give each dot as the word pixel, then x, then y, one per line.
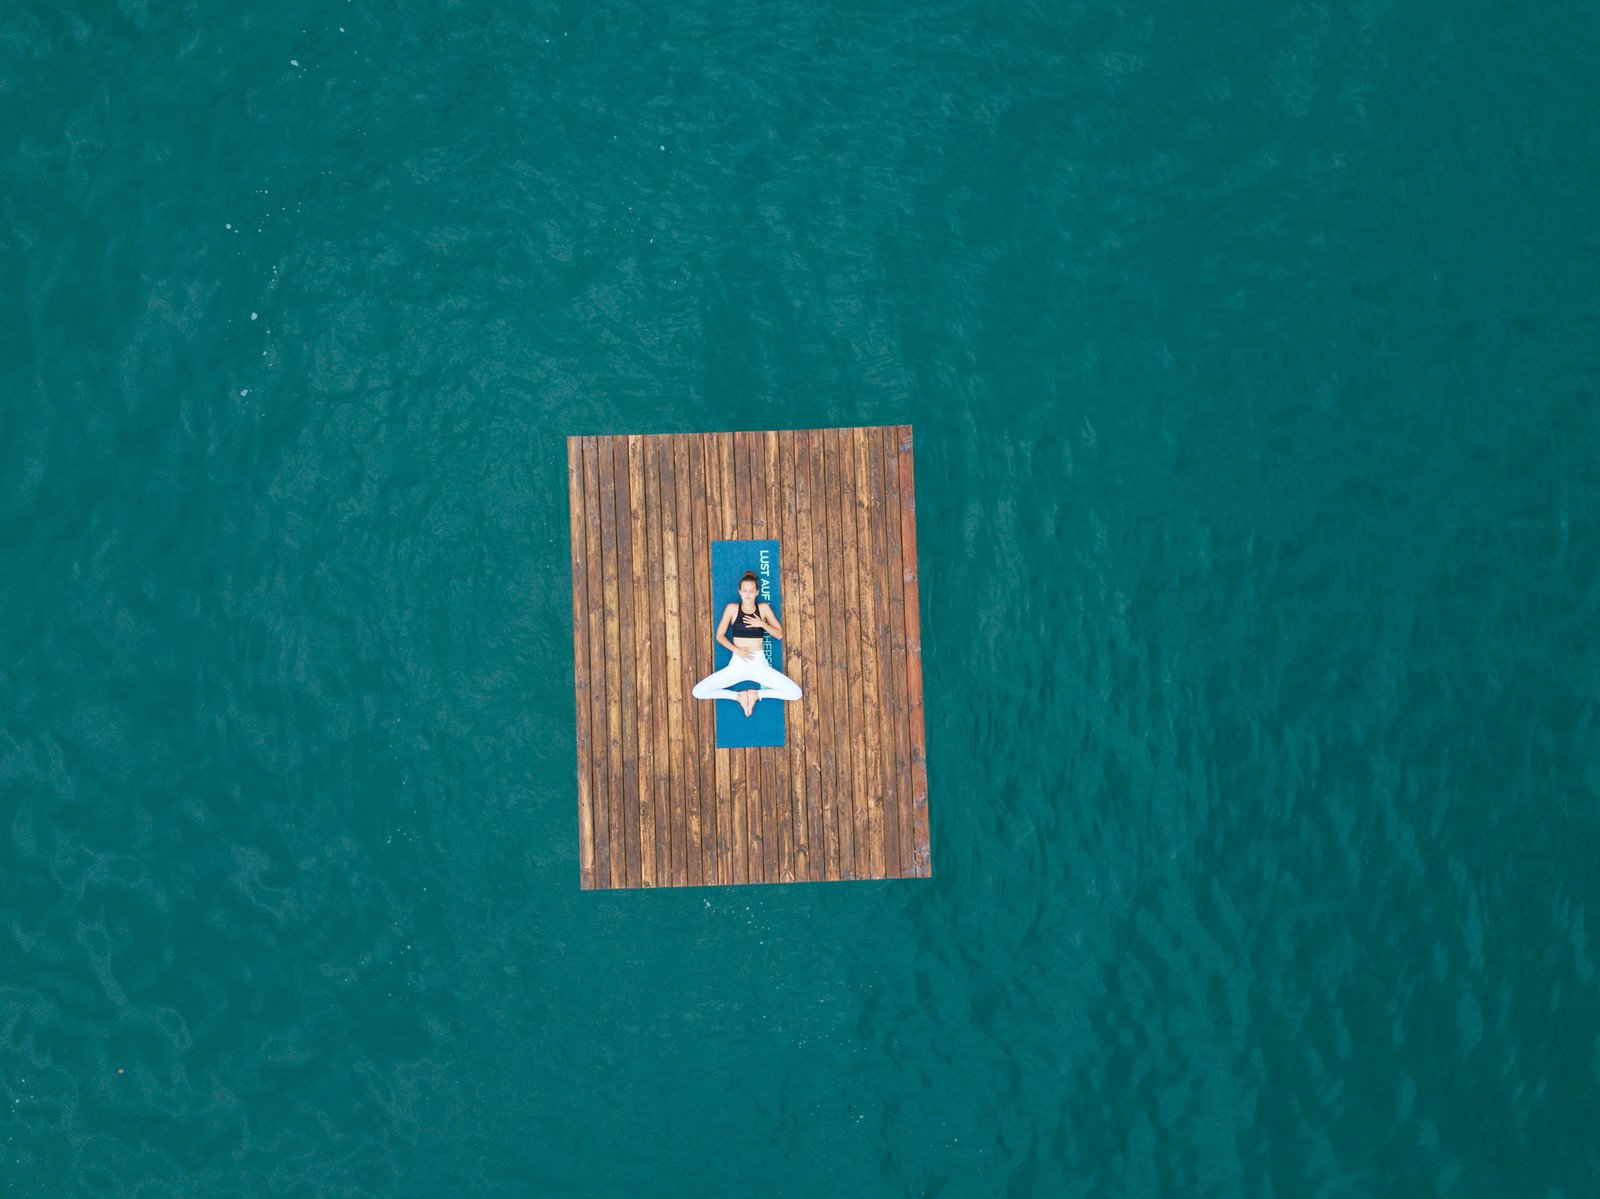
pixel 1252 355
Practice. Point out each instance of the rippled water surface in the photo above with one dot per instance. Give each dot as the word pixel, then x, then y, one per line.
pixel 1252 357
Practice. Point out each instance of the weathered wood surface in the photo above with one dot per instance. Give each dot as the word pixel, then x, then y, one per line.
pixel 658 803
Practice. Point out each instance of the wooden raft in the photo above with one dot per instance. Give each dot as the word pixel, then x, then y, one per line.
pixel 658 804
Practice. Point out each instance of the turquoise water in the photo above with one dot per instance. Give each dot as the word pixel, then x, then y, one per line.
pixel 1252 356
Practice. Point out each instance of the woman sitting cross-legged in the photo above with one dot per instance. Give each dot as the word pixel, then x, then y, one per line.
pixel 750 622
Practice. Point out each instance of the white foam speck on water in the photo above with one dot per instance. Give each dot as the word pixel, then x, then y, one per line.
pixel 252 316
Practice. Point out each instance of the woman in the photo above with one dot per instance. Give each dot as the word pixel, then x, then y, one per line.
pixel 750 622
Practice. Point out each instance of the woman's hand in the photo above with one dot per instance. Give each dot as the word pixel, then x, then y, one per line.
pixel 748 652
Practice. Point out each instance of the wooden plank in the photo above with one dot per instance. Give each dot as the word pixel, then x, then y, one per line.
pixel 640 642
pixel 581 687
pixel 812 543
pixel 889 695
pixel 761 758
pixel 591 764
pixel 866 848
pixel 796 570
pixel 644 697
pixel 880 583
pixel 852 857
pixel 776 759
pixel 684 744
pixel 689 669
pixel 669 811
pixel 672 665
pixel 676 684
pixel 611 644
pixel 791 756
pixel 718 470
pixel 855 564
pixel 824 695
pixel 712 813
pixel 873 614
pixel 732 759
pixel 888 451
pixel 612 623
pixel 797 650
pixel 655 723
pixel 598 712
pixel 628 679
pixel 919 755
pixel 691 547
pixel 835 749
pixel 870 726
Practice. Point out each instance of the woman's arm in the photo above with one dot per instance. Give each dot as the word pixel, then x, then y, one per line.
pixel 722 630
pixel 769 620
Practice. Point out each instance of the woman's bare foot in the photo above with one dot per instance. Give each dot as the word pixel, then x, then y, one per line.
pixel 747 700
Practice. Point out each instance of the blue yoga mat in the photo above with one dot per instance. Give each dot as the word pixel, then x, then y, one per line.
pixel 729 561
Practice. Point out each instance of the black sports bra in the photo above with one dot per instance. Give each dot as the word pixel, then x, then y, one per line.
pixel 744 623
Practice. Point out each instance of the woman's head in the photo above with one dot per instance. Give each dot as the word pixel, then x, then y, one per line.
pixel 749 587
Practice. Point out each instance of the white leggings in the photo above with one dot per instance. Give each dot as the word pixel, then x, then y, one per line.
pixel 774 684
